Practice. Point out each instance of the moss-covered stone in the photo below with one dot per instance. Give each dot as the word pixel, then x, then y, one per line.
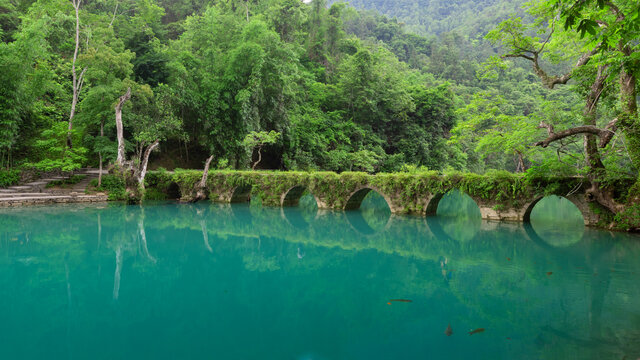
pixel 500 195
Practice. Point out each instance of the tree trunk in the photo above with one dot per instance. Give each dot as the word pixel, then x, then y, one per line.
pixel 597 192
pixel 199 193
pixel 115 12
pixel 629 115
pixel 77 80
pixel 590 116
pixel 145 160
pixel 519 162
pixel 119 129
pixel 100 154
pixel 259 158
pixel 205 174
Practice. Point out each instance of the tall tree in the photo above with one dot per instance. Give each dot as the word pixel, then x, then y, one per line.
pixel 604 39
pixel 77 79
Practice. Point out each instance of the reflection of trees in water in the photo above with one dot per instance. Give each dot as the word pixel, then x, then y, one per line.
pixel 301 215
pixel 459 216
pixel 571 318
pixel 128 239
pixel 375 211
pixel 557 221
pixel 308 206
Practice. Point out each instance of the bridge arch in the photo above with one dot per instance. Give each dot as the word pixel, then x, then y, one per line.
pixel 173 191
pixel 292 196
pixel 375 220
pixel 356 197
pixel 434 202
pixel 307 210
pixel 241 194
pixel 579 203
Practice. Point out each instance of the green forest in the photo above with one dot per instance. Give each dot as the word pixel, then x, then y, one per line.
pixel 548 89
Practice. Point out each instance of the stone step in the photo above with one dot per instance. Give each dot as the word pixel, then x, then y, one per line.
pixel 39 200
pixel 21 187
pixel 36 183
pixel 35 198
pixel 7 191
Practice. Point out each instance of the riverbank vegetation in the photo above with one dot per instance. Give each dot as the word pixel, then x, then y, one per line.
pixel 289 85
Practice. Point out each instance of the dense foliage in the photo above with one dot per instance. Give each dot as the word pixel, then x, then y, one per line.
pixel 434 17
pixel 345 89
pixel 211 75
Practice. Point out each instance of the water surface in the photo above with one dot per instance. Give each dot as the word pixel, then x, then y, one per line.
pixel 176 281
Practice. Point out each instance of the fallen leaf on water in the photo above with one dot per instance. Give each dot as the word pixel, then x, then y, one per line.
pixel 508 338
pixel 388 303
pixel 549 273
pixel 508 259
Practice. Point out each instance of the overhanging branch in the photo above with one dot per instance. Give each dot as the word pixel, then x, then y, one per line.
pixel 547 80
pixel 604 134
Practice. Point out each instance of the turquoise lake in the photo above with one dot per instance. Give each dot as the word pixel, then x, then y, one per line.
pixel 213 281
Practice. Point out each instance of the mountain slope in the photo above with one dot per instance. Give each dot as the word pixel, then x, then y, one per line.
pixel 433 17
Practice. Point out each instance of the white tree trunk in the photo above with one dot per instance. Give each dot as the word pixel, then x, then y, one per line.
pixel 259 158
pixel 76 79
pixel 205 174
pixel 145 161
pixel 100 155
pixel 119 129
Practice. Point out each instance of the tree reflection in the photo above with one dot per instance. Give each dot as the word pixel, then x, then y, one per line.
pixel 129 238
pixel 372 215
pixel 459 216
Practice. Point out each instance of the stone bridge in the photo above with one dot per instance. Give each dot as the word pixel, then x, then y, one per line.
pixel 500 196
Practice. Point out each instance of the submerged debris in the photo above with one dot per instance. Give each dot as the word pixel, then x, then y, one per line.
pixel 478 330
pixel 449 331
pixel 401 300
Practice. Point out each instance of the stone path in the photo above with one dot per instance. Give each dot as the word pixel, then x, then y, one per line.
pixel 37 193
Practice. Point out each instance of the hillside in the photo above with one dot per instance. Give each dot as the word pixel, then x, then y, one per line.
pixel 434 17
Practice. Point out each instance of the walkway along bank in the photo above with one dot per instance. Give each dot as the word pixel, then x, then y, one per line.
pixel 500 195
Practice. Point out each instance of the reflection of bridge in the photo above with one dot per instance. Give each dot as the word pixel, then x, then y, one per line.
pixel 411 236
pixel 506 199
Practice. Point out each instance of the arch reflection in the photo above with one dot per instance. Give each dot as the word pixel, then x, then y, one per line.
pixel 303 212
pixel 373 214
pixel 556 220
pixel 458 216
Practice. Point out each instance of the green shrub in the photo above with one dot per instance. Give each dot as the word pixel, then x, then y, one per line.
pixel 113 185
pixel 9 178
pixel 629 219
pixel 154 194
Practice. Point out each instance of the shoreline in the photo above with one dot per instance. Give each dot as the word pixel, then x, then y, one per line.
pixel 39 199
